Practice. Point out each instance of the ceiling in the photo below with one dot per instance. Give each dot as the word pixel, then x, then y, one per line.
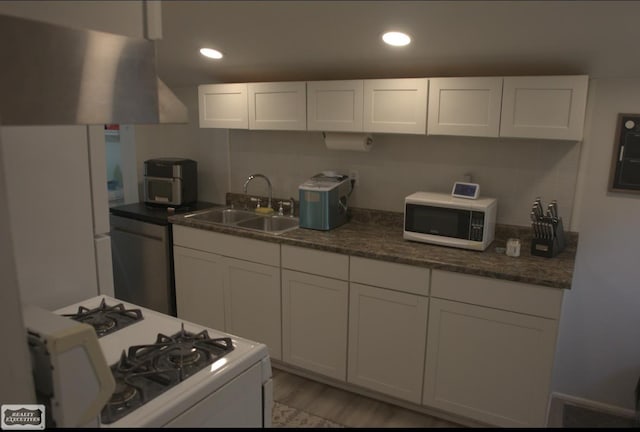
pixel 317 40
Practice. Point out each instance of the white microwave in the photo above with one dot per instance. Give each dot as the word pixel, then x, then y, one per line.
pixel 444 220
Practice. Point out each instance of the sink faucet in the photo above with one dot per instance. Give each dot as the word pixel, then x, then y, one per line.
pixel 290 203
pixel 251 177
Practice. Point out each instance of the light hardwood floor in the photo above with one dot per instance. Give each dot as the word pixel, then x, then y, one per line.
pixel 346 408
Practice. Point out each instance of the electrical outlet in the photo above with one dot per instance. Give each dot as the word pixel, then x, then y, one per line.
pixel 353 175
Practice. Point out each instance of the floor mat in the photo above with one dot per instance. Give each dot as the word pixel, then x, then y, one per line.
pixel 286 416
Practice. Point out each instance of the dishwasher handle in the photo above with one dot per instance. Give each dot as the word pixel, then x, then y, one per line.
pixel 138 233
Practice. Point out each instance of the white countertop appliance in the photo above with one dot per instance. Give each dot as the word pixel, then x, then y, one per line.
pixel 323 200
pixel 446 220
pixel 168 372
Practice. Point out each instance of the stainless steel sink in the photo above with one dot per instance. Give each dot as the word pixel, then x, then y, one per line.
pixel 272 224
pixel 224 216
pixel 245 219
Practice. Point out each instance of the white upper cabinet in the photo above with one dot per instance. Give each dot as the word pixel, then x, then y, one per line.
pixel 542 107
pixel 278 105
pixel 396 105
pixel 223 106
pixel 551 107
pixel 335 105
pixel 465 106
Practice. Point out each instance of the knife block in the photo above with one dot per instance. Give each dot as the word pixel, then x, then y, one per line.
pixel 549 248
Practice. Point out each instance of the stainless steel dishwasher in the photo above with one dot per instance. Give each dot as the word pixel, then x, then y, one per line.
pixel 142 263
pixel 142 255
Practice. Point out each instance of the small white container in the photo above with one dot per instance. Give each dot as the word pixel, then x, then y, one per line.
pixel 513 247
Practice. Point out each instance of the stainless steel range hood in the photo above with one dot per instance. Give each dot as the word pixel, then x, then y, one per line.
pixel 54 75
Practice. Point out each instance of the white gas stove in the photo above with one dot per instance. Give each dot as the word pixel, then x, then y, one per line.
pixel 170 372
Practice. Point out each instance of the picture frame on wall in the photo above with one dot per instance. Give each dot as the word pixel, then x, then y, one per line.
pixel 625 162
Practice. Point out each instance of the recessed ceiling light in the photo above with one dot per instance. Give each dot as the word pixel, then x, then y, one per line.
pixel 396 38
pixel 211 53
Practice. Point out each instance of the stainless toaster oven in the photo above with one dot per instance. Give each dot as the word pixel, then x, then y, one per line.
pixel 170 181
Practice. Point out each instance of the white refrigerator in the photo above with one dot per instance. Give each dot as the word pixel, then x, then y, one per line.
pixel 59 212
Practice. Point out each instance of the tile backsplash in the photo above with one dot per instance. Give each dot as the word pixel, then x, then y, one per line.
pixel 514 171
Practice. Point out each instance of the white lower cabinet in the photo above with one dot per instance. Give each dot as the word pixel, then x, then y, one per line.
pixel 488 364
pixel 315 298
pixel 252 303
pixel 387 335
pixel 472 346
pixel 314 323
pixel 199 293
pixel 217 290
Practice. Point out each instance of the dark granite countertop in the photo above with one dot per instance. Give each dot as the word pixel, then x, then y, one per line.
pixel 158 215
pixel 378 235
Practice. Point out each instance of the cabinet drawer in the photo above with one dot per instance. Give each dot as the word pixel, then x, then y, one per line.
pixel 495 293
pixel 400 277
pixel 227 245
pixel 314 261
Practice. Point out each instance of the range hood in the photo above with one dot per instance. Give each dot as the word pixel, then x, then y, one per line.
pixel 54 75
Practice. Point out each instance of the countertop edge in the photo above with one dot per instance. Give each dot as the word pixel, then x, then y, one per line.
pixel 434 264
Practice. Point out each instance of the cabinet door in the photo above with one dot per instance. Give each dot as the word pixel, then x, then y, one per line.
pixel 488 364
pixel 387 335
pixel 396 105
pixel 199 292
pixel 550 107
pixel 252 303
pixel 314 323
pixel 223 106
pixel 335 105
pixel 279 105
pixel 464 106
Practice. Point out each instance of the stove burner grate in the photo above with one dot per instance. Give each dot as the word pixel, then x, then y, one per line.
pixel 107 319
pixel 146 371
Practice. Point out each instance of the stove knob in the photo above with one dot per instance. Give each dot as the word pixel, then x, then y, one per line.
pixel 629 124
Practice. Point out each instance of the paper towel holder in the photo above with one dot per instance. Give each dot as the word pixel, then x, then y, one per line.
pixel 357 141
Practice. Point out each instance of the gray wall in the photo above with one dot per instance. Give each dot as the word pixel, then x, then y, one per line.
pixel 209 147
pixel 598 355
pixel 514 171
